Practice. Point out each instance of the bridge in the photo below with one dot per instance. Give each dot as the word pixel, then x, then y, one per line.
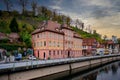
pixel 25 70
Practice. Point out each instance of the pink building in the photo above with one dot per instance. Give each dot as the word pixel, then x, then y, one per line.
pixel 53 40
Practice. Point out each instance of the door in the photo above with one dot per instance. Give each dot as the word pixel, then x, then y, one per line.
pixel 38 54
pixel 68 54
pixel 44 55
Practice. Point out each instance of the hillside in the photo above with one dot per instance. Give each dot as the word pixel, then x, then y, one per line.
pixel 28 23
pixel 84 34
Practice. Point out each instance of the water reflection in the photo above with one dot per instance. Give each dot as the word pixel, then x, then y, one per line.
pixel 108 72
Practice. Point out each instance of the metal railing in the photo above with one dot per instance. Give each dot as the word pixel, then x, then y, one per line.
pixel 32 63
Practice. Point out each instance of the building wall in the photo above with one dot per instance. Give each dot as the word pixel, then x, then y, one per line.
pixel 50 45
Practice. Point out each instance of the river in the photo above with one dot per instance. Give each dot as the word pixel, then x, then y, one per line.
pixel 109 71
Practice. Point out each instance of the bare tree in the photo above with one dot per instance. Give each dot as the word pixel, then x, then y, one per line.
pixel 79 24
pixel 34 6
pixel 23 4
pixel 82 25
pixel 105 37
pixel 39 10
pixel 8 4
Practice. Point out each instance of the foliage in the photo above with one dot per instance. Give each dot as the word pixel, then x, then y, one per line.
pixel 14 25
pixel 4 40
pixel 30 51
pixel 87 35
pixel 10 47
pixel 8 54
pixel 4 26
pixel 26 37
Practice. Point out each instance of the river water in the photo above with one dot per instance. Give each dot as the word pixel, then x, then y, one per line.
pixel 107 72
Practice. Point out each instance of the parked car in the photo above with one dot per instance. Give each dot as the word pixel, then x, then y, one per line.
pixel 106 52
pixel 31 57
pixel 100 51
pixel 18 57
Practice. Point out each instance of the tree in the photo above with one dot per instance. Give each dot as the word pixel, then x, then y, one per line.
pixel 39 10
pixel 26 37
pixel 34 6
pixel 68 20
pixel 105 37
pixel 94 32
pixel 8 4
pixel 79 23
pixel 14 25
pixel 23 4
pixel 82 25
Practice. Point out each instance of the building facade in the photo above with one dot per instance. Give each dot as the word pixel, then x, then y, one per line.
pixel 53 40
pixel 89 46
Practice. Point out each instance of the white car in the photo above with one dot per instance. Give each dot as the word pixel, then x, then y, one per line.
pixel 32 57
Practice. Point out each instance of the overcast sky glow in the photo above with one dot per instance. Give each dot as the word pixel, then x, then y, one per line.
pixel 102 15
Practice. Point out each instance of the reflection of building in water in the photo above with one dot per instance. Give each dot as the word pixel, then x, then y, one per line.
pixel 114 69
pixel 106 70
pixel 119 64
pixel 92 76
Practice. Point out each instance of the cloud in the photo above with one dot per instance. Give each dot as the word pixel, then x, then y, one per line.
pixel 55 7
pixel 102 15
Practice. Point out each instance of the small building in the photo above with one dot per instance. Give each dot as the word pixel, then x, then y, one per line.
pixel 111 46
pixel 53 40
pixel 89 46
pixel 13 37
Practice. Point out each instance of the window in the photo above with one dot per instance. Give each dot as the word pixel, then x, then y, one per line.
pixel 41 43
pixel 37 44
pixel 54 44
pixel 44 43
pixel 58 45
pixel 53 52
pixel 58 52
pixel 49 43
pixel 34 45
pixel 38 36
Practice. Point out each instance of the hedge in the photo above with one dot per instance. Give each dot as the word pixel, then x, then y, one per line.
pixel 10 47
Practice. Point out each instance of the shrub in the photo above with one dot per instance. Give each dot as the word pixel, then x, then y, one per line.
pixel 10 47
pixel 5 40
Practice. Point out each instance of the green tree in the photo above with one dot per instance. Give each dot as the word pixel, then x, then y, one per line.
pixel 26 37
pixel 14 25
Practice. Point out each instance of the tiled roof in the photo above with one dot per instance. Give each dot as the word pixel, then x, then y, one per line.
pixel 77 36
pixel 49 26
pixel 14 35
pixel 53 27
pixel 89 41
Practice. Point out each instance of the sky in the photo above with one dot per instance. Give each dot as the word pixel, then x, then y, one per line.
pixel 101 15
